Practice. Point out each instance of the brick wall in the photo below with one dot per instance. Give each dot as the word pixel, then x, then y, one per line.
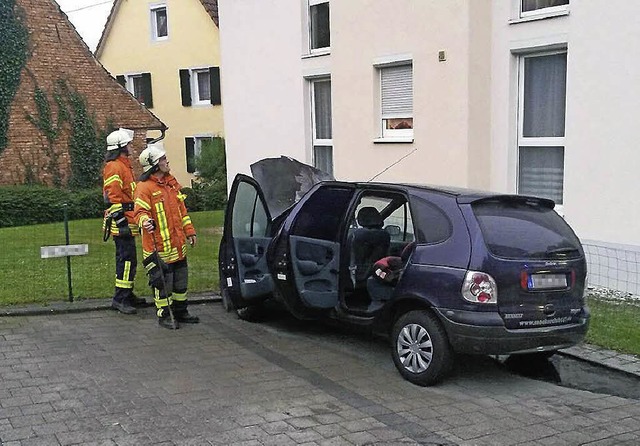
pixel 58 52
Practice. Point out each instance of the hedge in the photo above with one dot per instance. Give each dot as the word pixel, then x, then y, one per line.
pixel 28 205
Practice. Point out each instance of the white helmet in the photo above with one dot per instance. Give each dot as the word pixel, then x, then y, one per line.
pixel 150 156
pixel 119 138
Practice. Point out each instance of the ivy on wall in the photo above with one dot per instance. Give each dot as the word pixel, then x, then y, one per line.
pixel 13 58
pixel 86 140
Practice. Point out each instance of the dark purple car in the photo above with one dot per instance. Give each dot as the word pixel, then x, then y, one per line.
pixel 439 270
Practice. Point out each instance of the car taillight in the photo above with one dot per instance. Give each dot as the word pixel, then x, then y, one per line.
pixel 479 288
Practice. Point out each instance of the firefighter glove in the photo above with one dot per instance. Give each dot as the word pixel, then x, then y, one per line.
pixel 156 270
pixel 121 222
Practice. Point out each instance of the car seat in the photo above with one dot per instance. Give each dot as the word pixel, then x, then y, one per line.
pixel 368 243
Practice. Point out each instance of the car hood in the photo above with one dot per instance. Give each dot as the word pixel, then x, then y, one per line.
pixel 285 180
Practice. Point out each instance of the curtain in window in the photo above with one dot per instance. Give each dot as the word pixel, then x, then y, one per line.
pixel 323 158
pixel 397 91
pixel 161 22
pixel 532 5
pixel 322 111
pixel 320 34
pixel 204 86
pixel 545 84
pixel 541 172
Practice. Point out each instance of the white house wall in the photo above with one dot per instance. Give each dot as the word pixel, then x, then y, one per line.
pixel 262 87
pixel 266 72
pixel 601 153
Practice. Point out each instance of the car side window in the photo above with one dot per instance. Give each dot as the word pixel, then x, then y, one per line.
pixel 432 223
pixel 249 218
pixel 322 215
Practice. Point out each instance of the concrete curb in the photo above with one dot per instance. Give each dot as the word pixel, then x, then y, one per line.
pixel 85 305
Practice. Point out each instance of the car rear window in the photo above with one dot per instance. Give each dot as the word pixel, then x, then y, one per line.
pixel 525 229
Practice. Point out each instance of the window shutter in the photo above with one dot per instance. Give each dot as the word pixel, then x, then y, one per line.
pixel 122 80
pixel 214 79
pixel 185 87
pixel 190 145
pixel 147 95
pixel 397 91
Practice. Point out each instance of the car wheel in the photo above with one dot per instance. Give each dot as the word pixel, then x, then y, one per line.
pixel 226 300
pixel 420 348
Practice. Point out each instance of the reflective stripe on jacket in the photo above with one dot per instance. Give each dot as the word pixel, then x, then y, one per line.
pixel 161 200
pixel 118 187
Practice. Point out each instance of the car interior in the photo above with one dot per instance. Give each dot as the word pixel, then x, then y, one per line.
pixel 381 227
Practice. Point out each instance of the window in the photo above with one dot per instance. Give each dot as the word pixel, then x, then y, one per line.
pixel 541 125
pixel 396 100
pixel 319 30
pixel 139 85
pixel 322 128
pixel 200 86
pixel 193 146
pixel 159 22
pixel 321 216
pixel 536 7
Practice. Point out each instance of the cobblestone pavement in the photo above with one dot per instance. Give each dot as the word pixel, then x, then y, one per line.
pixel 102 378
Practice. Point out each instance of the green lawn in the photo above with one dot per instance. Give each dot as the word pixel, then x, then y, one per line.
pixel 615 324
pixel 26 278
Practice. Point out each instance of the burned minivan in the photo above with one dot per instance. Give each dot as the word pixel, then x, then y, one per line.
pixel 440 270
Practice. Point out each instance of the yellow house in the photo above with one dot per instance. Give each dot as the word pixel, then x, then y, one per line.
pixel 167 54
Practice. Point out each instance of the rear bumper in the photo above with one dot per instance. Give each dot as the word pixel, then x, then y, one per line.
pixel 485 333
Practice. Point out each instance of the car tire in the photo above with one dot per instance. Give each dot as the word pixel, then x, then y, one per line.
pixel 226 300
pixel 420 348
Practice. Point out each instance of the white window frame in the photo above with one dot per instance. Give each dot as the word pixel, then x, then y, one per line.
pixel 153 9
pixel 320 50
pixel 195 88
pixel 393 135
pixel 551 10
pixel 319 141
pixel 522 141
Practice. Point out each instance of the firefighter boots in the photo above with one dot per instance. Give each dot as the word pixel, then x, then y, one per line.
pixel 123 307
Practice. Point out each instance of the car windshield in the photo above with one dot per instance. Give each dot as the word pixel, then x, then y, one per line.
pixel 525 229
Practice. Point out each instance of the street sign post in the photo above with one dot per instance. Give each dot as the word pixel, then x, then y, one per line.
pixel 66 250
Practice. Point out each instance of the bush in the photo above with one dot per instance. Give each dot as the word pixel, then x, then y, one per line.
pixel 205 196
pixel 28 205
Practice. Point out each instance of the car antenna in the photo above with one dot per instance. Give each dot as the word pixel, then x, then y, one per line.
pixel 390 166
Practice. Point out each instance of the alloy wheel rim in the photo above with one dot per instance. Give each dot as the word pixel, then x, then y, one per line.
pixel 415 348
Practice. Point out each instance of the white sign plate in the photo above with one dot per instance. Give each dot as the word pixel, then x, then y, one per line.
pixel 47 252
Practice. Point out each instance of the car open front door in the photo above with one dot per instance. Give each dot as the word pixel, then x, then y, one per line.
pixel 244 273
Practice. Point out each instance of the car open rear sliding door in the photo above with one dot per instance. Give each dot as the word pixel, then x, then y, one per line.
pixel 244 273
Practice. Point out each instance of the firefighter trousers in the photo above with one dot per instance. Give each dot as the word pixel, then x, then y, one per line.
pixel 175 288
pixel 126 265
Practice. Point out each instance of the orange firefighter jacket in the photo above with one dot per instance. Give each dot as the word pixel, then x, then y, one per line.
pixel 161 200
pixel 118 189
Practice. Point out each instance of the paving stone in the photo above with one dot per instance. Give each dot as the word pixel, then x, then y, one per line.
pixel 229 382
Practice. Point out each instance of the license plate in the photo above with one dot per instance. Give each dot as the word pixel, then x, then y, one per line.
pixel 547 281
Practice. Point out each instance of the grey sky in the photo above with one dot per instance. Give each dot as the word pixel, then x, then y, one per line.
pixel 88 16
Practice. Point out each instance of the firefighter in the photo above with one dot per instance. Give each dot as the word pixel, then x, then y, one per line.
pixel 118 188
pixel 166 229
